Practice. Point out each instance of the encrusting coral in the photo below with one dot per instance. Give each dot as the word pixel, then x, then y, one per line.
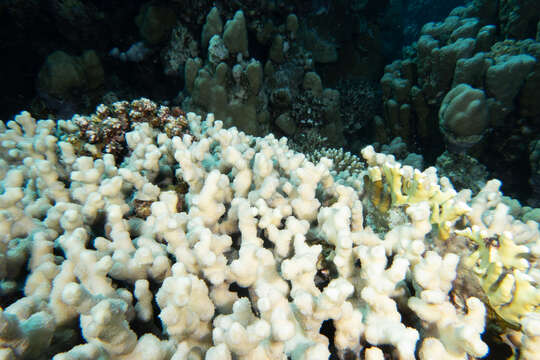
pixel 265 249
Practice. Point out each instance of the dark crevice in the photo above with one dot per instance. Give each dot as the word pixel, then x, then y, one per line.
pixel 154 326
pixel 98 227
pixel 240 291
pixel 329 330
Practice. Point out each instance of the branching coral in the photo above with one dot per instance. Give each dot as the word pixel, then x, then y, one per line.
pixel 266 249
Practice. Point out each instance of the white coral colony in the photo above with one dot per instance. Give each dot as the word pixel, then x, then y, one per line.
pixel 266 248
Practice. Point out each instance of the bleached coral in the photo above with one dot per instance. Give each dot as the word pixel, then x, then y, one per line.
pixel 250 261
pixel 460 333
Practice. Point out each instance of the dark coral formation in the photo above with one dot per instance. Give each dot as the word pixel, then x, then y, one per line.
pixel 107 127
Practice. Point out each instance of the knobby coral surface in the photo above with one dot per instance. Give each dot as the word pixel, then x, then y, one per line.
pixel 245 249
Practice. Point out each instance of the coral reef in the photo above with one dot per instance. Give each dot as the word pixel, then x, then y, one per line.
pixel 281 95
pixel 464 171
pixel 360 103
pixel 186 228
pixel 495 75
pixel 245 249
pixel 182 46
pixel 64 78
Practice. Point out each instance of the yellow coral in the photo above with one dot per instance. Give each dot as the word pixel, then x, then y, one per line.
pixel 499 260
pixel 500 266
pixel 406 186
